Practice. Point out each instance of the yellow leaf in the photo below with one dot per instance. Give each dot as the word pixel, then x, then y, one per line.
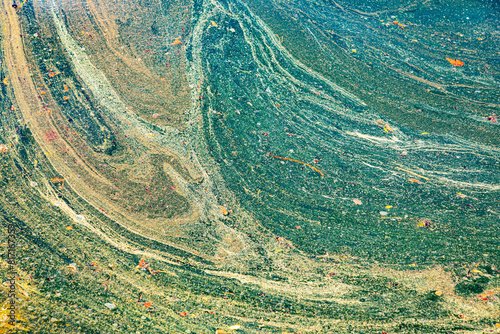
pixel 225 212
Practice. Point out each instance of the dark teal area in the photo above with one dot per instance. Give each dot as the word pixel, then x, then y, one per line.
pixel 244 91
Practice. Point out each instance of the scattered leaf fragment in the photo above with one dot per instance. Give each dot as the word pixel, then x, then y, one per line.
pixel 177 41
pixel 357 201
pixel 225 212
pixel 424 222
pixel 57 179
pixel 73 267
pixel 143 264
pixel 213 23
pixel 455 62
pixel 493 118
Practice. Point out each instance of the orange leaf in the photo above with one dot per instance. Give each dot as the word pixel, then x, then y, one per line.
pixel 455 62
pixel 142 263
pixel 57 179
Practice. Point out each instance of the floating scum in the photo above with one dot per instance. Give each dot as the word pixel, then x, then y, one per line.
pixel 275 108
pixel 312 207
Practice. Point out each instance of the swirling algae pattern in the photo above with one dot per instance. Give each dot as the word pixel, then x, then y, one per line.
pixel 246 166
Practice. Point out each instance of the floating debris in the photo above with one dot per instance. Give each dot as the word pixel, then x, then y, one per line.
pixel 424 222
pixel 177 41
pixel 225 212
pixel 493 118
pixel 73 267
pixel 300 162
pixel 455 62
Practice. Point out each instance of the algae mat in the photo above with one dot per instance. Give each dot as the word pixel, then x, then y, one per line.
pixel 248 166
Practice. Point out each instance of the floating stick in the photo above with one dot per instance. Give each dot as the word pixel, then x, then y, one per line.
pixel 300 162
